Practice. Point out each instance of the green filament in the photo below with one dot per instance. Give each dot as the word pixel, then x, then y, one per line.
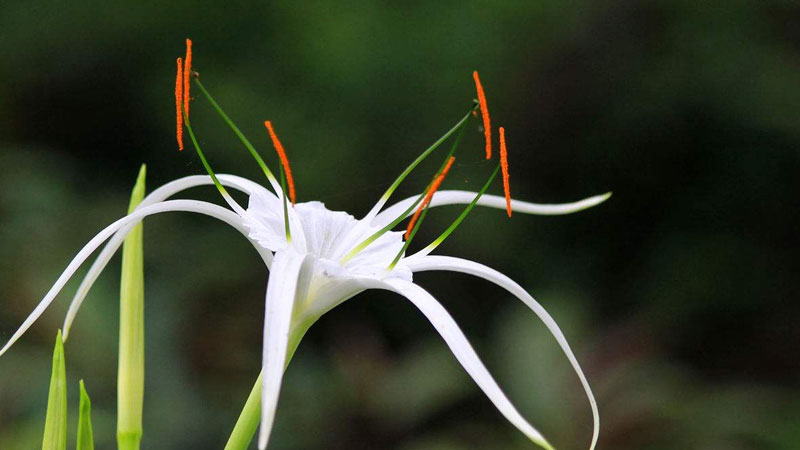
pixel 463 214
pixel 410 237
pixel 239 134
pixel 458 126
pixel 203 159
pixel 285 206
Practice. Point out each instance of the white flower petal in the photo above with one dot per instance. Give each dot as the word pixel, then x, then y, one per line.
pixel 209 209
pixel 324 228
pixel 265 220
pixel 158 195
pixel 449 263
pixel 329 235
pixel 464 353
pixel 288 281
pixel 441 198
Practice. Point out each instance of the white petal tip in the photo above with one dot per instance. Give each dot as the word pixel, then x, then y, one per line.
pixel 589 202
pixel 596 200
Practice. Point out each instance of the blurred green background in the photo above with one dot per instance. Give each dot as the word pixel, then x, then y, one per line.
pixel 679 295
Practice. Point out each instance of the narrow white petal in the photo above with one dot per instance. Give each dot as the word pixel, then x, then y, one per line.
pixel 441 198
pixel 288 281
pixel 158 195
pixel 464 353
pixel 209 209
pixel 479 270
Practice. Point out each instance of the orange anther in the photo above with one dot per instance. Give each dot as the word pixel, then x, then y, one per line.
pixel 504 168
pixel 284 160
pixel 434 186
pixel 187 72
pixel 487 126
pixel 178 103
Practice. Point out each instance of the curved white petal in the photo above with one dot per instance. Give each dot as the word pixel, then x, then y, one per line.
pixel 206 208
pixel 158 195
pixel 441 198
pixel 449 263
pixel 288 280
pixel 464 353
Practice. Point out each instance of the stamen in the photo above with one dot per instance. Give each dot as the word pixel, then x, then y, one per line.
pixel 365 243
pixel 178 102
pixel 285 207
pixel 284 160
pixel 187 73
pixel 270 177
pixel 432 246
pixel 458 127
pixel 504 165
pixel 487 126
pixel 224 192
pixel 410 237
pixel 434 186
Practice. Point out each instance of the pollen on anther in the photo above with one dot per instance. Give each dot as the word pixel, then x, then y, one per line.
pixel 434 186
pixel 179 103
pixel 187 72
pixel 487 125
pixel 504 168
pixel 284 160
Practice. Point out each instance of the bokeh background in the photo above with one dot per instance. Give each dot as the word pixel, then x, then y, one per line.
pixel 679 295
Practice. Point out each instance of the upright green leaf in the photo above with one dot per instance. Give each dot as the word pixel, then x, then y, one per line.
pixel 130 377
pixel 85 437
pixel 55 425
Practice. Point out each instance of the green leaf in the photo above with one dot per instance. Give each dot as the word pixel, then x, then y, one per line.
pixel 130 377
pixel 85 437
pixel 55 425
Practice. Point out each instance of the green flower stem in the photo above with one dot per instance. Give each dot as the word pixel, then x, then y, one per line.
pixel 130 377
pixel 55 425
pixel 247 424
pixel 85 436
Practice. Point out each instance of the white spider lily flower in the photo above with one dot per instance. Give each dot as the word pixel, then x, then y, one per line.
pixel 319 258
pixel 307 277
